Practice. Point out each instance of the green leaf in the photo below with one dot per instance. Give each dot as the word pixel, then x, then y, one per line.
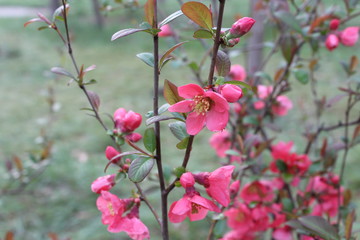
pixel 150 12
pixel 179 171
pixel 62 71
pixel 178 129
pixel 168 52
pixel 92 81
pixel 171 18
pixel 125 32
pixel 288 46
pixel 147 58
pixel 264 75
pixel 150 140
pixel 159 118
pixel 203 34
pixel 198 13
pixel 183 143
pixel 288 19
pixel 301 75
pixel 140 168
pixel 220 228
pixel 171 94
pixel 223 63
pixel 163 108
pixel 242 84
pixel 288 206
pixel 319 227
pixel 194 66
pixel 281 165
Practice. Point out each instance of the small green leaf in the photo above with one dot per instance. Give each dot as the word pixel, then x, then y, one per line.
pixel 242 84
pixel 223 63
pixel 150 140
pixel 178 129
pixel 92 81
pixel 288 206
pixel 171 18
pixel 288 19
pixel 281 165
pixel 171 94
pixel 194 66
pixel 203 34
pixel 147 58
pixel 183 143
pixel 159 118
pixel 62 71
pixel 125 32
pixel 179 171
pixel 140 168
pixel 198 13
pixel 59 11
pixel 301 75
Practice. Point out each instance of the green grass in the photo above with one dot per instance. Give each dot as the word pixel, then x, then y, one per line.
pixel 59 199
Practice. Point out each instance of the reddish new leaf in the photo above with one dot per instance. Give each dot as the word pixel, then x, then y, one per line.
pixel 198 13
pixel 171 93
pixel 168 52
pixel 95 99
pixel 9 236
pixel 149 9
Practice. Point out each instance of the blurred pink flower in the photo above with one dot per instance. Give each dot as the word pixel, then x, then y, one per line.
pixel 104 183
pixel 111 154
pixel 126 121
pixel 237 72
pixel 231 92
pixel 332 42
pixel 166 31
pixel 282 105
pixel 221 142
pixel 349 36
pixel 205 108
pixel 257 191
pixel 111 207
pixel 334 24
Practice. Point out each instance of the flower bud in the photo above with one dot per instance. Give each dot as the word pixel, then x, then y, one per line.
pixel 241 27
pixel 134 137
pixel 232 42
pixel 349 36
pixel 126 121
pixel 231 93
pixel 237 72
pixel 111 153
pixel 165 31
pixel 187 180
pixel 334 24
pixel 332 42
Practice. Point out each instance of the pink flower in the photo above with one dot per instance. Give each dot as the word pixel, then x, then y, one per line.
pixel 126 121
pixel 231 92
pixel 241 27
pixel 239 218
pixel 332 42
pixel 237 72
pixel 349 36
pixel 104 183
pixel 282 106
pixel 220 141
pixel 111 154
pixel 334 24
pixel 192 205
pixel 259 105
pixel 293 163
pixel 111 207
pixel 257 191
pixel 166 31
pixel 206 108
pixel 217 186
pixel 284 233
pixel 264 91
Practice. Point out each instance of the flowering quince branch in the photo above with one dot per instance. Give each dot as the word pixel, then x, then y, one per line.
pixel 290 191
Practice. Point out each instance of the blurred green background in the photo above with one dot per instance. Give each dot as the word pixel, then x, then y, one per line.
pixel 54 195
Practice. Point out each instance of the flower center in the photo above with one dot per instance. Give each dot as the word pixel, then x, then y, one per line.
pixel 202 104
pixel 195 208
pixel 111 209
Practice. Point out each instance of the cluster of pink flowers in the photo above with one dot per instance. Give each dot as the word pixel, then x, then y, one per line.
pixel 281 106
pixel 192 204
pixel 125 123
pixel 348 37
pixel 206 107
pixel 221 142
pixel 121 215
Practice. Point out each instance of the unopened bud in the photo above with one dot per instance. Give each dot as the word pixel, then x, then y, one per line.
pixel 241 27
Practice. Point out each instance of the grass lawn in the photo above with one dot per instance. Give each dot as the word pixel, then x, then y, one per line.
pixel 59 199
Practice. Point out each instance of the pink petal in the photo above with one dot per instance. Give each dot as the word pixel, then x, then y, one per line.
pixel 219 102
pixel 175 218
pixel 201 214
pixel 216 121
pixel 190 90
pixel 194 123
pixel 183 106
pixel 182 206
